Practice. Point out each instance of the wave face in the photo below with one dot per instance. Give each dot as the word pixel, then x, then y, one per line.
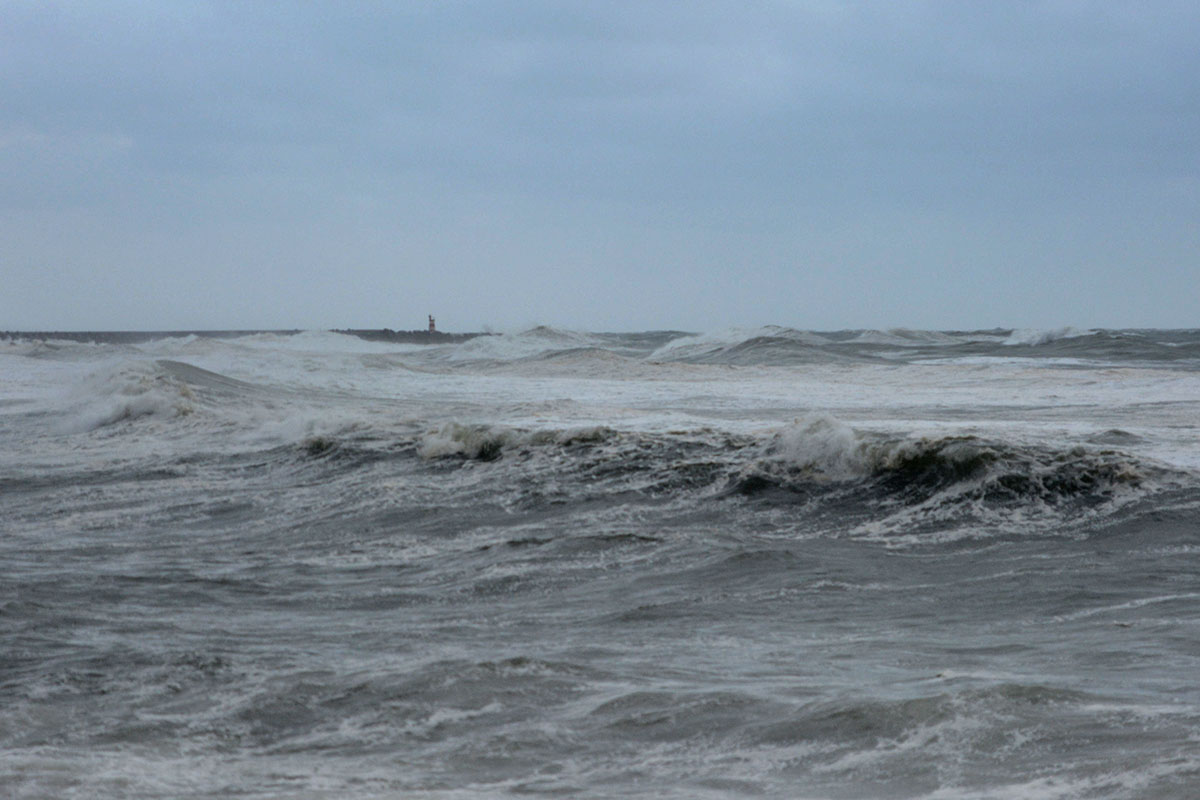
pixel 755 562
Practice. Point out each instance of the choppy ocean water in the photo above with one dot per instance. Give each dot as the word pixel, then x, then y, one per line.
pixel 763 562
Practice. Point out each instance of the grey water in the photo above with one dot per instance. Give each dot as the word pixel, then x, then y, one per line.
pixel 752 563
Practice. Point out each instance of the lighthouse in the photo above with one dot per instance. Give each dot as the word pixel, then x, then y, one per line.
pixel 432 326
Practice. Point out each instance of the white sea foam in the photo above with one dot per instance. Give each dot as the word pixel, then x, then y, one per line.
pixel 1037 336
pixel 317 341
pixel 126 391
pixel 825 444
pixel 410 572
pixel 522 344
pixel 905 337
pixel 456 439
pixel 715 341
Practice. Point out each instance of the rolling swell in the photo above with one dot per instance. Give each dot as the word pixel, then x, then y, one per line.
pixel 354 571
pixel 773 351
pixel 824 472
pixel 1114 346
pixel 165 389
pixel 932 484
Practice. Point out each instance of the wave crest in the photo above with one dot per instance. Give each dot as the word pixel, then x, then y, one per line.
pixel 126 391
pixel 1036 336
pixel 512 346
pixel 941 481
pixel 488 443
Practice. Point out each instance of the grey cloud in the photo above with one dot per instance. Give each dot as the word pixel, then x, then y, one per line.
pixel 735 121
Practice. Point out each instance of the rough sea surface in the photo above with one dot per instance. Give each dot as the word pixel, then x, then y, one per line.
pixel 752 563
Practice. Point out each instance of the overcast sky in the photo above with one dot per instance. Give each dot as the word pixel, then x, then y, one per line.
pixel 599 165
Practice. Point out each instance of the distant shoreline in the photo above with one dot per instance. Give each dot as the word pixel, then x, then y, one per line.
pixel 133 337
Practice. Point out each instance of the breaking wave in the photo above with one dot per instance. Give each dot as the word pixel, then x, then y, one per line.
pixel 711 346
pixel 510 346
pixel 828 475
pixel 770 345
pixel 487 443
pixel 906 337
pixel 1039 336
pixel 932 483
pixel 127 391
pixel 170 392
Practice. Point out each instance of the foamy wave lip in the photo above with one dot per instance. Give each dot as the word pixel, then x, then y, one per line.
pixel 1037 336
pixel 473 441
pixel 828 448
pixel 126 391
pixel 928 486
pixel 713 341
pixel 826 445
pixel 907 337
pixel 322 342
pixel 485 443
pixel 523 344
pixel 175 345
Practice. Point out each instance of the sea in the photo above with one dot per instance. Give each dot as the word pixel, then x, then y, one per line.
pixel 762 562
